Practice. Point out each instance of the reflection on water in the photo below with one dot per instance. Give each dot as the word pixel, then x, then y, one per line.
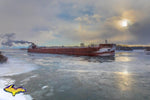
pixel 86 59
pixel 124 80
pixel 100 59
pixel 124 59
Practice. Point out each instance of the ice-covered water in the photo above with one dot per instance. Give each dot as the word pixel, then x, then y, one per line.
pixel 61 77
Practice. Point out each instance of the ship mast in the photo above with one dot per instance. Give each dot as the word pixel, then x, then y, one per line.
pixel 106 41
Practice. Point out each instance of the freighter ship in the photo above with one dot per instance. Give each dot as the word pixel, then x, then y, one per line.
pixel 100 50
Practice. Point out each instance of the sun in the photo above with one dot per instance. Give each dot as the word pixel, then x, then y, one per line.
pixel 124 23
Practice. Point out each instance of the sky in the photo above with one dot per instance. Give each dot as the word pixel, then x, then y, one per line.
pixel 70 22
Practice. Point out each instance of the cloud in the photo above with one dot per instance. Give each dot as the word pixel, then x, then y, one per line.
pixel 72 21
pixel 86 19
pixel 141 31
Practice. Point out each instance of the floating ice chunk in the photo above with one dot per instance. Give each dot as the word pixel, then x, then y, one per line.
pixel 15 66
pixel 44 87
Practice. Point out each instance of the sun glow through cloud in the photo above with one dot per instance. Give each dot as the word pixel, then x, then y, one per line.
pixel 124 23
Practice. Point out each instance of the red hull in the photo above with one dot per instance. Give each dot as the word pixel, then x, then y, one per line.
pixel 80 51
